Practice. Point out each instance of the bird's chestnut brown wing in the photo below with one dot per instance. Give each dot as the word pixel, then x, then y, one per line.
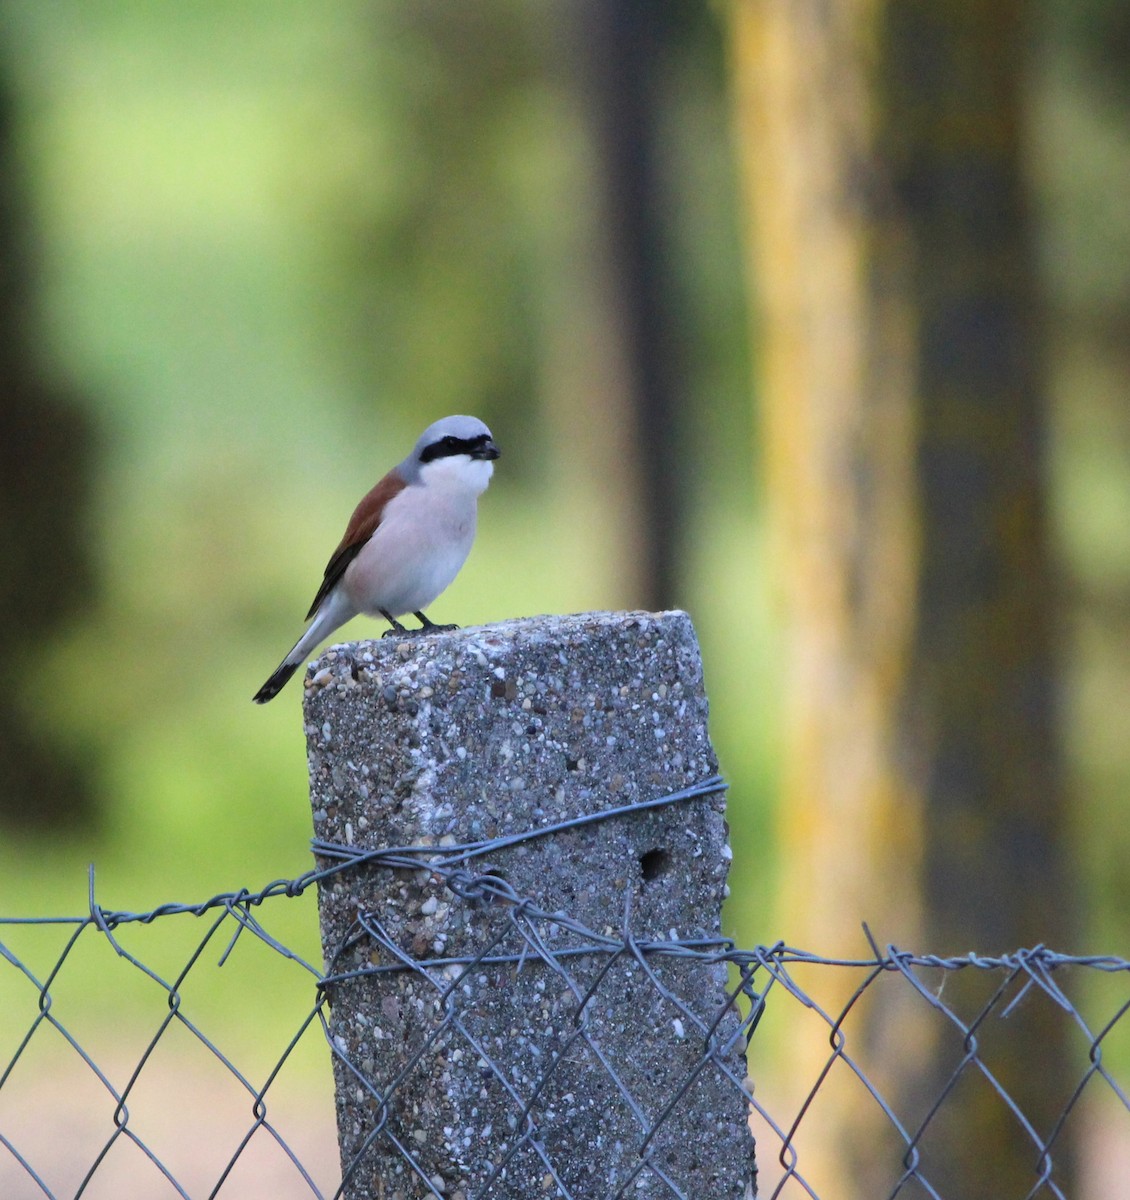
pixel 362 525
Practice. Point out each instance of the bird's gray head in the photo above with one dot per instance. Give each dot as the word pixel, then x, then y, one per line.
pixel 458 446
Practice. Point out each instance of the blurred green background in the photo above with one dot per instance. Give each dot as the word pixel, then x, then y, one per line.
pixel 261 243
pixel 272 241
pixel 268 241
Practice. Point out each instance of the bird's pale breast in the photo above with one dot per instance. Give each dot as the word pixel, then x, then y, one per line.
pixel 421 543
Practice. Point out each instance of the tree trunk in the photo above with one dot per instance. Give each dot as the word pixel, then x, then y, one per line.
pixel 624 48
pixel 46 463
pixel 903 414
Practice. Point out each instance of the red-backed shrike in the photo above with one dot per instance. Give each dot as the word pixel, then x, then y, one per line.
pixel 406 540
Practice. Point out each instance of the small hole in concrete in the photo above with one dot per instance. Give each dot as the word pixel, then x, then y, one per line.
pixel 654 863
pixel 485 894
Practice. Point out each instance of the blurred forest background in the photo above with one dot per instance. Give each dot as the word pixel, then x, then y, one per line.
pixel 699 266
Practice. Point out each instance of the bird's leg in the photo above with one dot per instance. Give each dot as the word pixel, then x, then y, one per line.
pixel 397 629
pixel 428 626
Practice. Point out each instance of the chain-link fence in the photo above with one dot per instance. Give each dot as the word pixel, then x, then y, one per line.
pixel 185 1052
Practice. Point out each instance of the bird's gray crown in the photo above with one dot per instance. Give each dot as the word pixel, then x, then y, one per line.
pixel 449 436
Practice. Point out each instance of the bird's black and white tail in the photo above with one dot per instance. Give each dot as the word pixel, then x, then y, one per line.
pixel 334 611
pixel 275 684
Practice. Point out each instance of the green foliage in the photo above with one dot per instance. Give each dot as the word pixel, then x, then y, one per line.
pixel 1081 159
pixel 275 240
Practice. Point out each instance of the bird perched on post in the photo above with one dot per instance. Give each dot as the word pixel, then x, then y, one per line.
pixel 406 540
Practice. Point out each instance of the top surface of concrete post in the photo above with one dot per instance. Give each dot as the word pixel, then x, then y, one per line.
pixel 596 710
pixel 495 731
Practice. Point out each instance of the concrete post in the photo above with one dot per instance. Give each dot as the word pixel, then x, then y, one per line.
pixel 477 1053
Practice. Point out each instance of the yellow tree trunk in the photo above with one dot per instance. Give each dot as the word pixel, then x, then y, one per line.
pixel 902 417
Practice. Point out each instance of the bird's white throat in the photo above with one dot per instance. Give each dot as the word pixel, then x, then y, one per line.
pixel 457 472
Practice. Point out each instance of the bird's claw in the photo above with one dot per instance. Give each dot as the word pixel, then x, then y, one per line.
pixel 427 625
pixel 402 631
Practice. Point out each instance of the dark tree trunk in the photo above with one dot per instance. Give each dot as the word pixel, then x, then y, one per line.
pixel 625 48
pixel 46 468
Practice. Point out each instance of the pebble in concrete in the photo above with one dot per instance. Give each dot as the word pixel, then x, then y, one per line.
pixel 442 1070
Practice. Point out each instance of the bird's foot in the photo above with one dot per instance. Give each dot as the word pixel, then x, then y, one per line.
pixel 397 629
pixel 428 626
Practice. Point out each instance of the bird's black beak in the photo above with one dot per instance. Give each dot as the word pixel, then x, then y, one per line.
pixel 488 450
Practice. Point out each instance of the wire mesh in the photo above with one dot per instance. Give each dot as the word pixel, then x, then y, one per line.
pixel 185 1051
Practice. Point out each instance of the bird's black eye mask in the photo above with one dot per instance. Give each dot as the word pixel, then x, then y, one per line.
pixel 476 447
